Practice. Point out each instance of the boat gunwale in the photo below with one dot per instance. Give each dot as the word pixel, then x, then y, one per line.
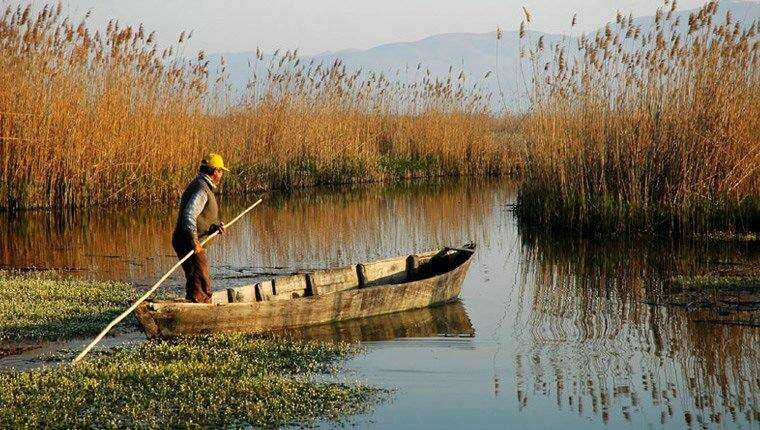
pixel 154 305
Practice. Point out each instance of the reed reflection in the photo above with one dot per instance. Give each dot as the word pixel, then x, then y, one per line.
pixel 302 231
pixel 591 341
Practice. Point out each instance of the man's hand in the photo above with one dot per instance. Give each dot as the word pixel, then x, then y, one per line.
pixel 197 247
pixel 217 228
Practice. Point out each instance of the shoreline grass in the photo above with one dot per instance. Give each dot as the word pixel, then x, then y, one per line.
pixel 213 381
pixel 44 306
pixel 723 236
pixel 702 218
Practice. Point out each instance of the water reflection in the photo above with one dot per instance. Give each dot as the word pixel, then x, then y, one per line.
pixel 448 320
pixel 302 231
pixel 564 326
pixel 593 342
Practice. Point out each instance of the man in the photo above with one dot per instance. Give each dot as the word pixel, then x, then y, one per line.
pixel 198 218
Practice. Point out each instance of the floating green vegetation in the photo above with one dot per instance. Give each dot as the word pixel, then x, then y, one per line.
pixel 213 381
pixel 41 307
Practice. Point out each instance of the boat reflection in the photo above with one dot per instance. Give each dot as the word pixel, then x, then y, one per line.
pixel 449 319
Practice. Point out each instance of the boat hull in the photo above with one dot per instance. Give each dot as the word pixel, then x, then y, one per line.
pixel 169 319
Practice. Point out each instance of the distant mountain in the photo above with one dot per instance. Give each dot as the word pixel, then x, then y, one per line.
pixel 474 53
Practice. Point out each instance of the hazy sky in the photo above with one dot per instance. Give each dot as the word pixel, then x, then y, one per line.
pixel 320 25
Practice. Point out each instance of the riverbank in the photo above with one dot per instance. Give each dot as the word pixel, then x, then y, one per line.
pixel 728 293
pixel 609 145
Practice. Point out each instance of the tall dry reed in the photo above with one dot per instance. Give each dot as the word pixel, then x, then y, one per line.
pixel 639 128
pixel 99 116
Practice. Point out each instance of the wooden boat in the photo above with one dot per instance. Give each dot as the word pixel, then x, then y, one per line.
pixel 374 288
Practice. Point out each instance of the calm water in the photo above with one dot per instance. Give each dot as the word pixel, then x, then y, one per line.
pixel 551 332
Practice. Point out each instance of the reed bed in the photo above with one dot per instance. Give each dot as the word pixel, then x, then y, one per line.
pixel 106 115
pixel 637 128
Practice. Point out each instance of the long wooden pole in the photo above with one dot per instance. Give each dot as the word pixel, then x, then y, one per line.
pixel 155 286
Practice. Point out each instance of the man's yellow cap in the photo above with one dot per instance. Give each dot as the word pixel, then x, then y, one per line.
pixel 214 161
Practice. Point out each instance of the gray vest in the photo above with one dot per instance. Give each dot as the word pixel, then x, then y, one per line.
pixel 208 217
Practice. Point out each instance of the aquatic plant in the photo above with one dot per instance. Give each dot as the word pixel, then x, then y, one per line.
pixel 43 306
pixel 221 381
pixel 105 115
pixel 646 127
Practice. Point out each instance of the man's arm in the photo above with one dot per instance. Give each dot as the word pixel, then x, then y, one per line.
pixel 194 207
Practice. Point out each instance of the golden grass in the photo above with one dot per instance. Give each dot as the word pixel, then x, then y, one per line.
pixel 637 130
pixel 97 116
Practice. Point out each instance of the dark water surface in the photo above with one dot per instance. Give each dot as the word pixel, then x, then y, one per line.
pixel 550 333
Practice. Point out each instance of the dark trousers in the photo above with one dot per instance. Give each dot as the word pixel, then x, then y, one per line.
pixel 198 285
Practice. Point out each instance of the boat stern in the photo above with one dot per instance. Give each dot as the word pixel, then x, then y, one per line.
pixel 146 320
